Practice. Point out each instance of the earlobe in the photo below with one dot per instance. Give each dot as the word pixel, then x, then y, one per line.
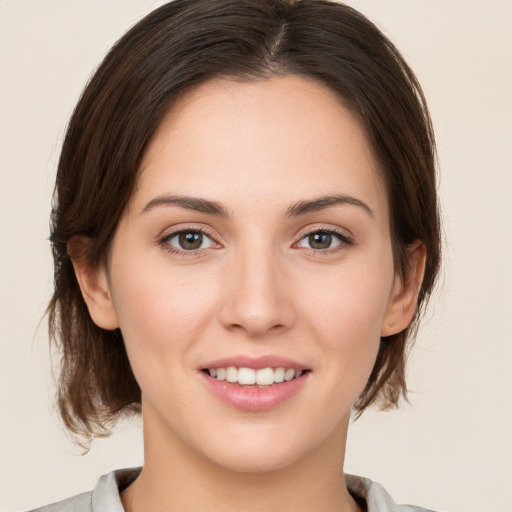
pixel 404 295
pixel 93 284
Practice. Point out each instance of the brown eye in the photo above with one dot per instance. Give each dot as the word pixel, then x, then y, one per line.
pixel 188 240
pixel 320 240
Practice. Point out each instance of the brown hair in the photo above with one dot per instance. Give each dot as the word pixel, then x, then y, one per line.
pixel 180 45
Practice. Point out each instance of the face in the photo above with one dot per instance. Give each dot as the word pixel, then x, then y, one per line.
pixel 257 238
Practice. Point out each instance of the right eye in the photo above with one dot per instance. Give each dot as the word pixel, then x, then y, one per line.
pixel 187 240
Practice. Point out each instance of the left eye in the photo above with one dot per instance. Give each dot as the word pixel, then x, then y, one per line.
pixel 189 240
pixel 321 240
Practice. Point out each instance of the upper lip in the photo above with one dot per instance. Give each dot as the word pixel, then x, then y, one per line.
pixel 256 363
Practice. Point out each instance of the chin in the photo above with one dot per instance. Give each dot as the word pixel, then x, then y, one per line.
pixel 262 462
pixel 257 453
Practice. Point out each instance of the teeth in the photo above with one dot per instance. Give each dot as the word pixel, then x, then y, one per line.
pixel 250 377
pixel 289 374
pixel 231 374
pixel 246 376
pixel 265 377
pixel 279 375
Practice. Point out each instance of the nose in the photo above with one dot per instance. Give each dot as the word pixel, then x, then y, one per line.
pixel 257 295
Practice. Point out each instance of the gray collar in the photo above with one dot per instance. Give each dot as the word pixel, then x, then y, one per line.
pixel 106 498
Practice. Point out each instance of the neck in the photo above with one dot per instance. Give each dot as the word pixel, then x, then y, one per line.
pixel 175 477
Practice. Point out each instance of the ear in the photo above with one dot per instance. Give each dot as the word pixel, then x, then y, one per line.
pixel 404 295
pixel 93 283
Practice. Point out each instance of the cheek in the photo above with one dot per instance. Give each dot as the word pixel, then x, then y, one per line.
pixel 161 315
pixel 160 310
pixel 352 307
pixel 346 320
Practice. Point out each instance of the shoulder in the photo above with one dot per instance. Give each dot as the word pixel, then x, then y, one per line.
pixel 78 503
pixel 104 498
pixel 375 497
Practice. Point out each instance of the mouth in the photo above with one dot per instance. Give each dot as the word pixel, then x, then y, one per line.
pixel 249 377
pixel 255 384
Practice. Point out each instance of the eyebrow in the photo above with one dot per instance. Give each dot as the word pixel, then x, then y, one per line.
pixel 214 208
pixel 321 203
pixel 189 203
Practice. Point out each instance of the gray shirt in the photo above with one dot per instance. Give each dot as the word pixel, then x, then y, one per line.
pixel 105 496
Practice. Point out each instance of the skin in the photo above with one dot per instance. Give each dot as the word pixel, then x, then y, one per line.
pixel 255 287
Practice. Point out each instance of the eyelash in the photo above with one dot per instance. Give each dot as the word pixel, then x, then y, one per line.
pixel 164 241
pixel 345 241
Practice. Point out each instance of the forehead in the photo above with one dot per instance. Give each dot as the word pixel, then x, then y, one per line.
pixel 255 139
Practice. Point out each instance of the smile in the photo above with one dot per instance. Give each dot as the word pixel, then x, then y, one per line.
pixel 251 377
pixel 252 389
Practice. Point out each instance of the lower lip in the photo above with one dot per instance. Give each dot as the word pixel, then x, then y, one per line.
pixel 254 399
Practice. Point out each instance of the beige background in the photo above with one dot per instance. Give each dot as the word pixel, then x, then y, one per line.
pixel 452 449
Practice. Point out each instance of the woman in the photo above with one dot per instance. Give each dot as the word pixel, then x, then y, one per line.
pixel 245 231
